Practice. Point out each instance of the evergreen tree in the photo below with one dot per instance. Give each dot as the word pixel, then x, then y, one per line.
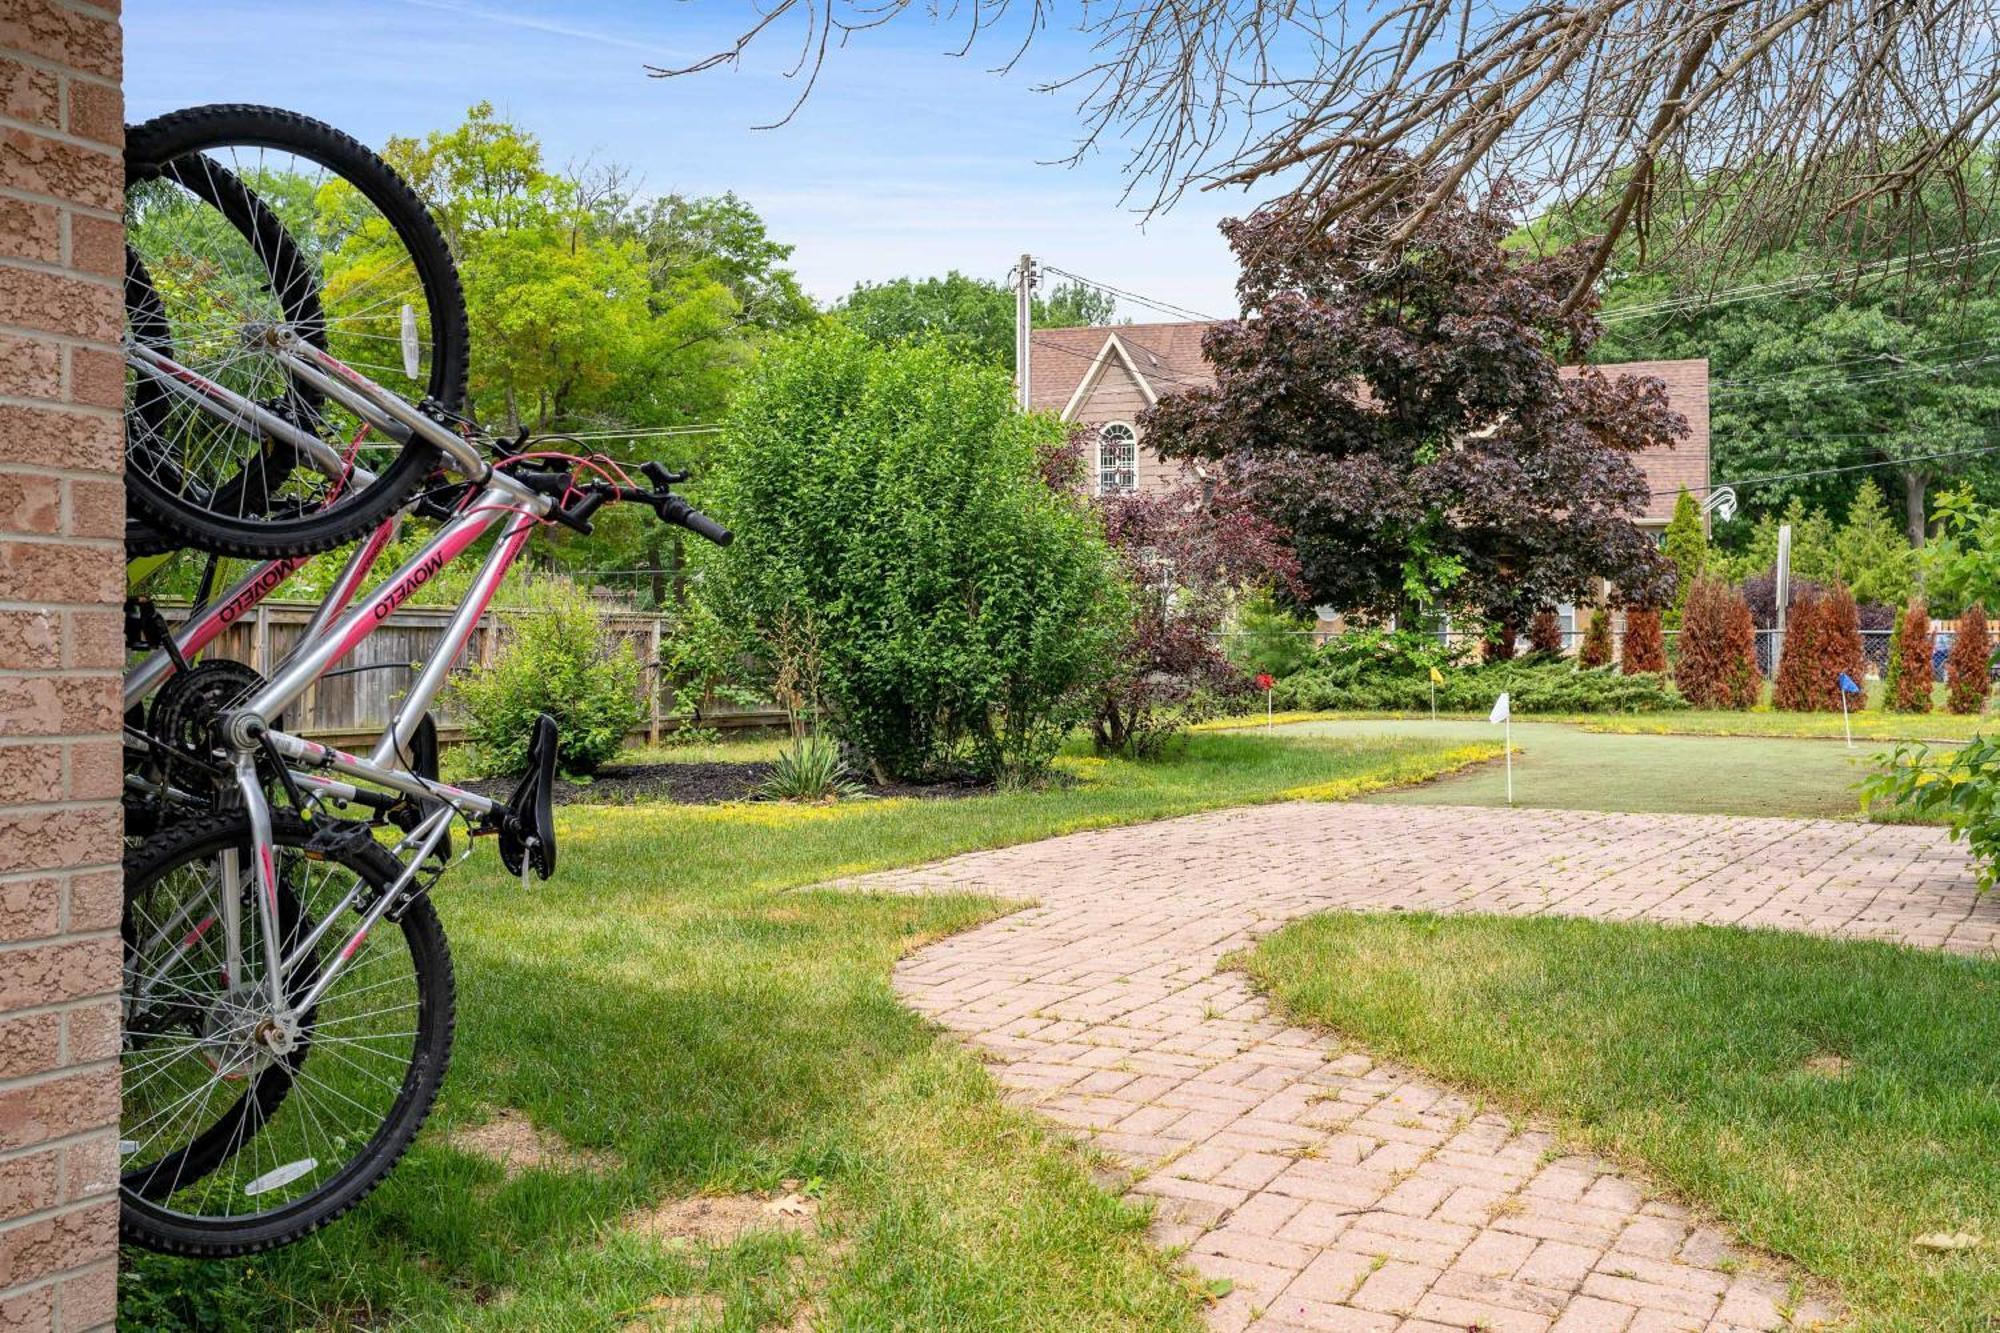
pixel 1702 672
pixel 1545 633
pixel 1798 662
pixel 1645 649
pixel 1872 553
pixel 1686 545
pixel 1909 687
pixel 1840 650
pixel 1967 678
pixel 1743 681
pixel 1596 648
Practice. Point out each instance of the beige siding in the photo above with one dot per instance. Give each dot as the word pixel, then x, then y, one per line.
pixel 1117 397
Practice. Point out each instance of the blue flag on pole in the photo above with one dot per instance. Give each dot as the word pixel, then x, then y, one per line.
pixel 1847 685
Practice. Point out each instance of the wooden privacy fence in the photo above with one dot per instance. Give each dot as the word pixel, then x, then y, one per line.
pixel 351 705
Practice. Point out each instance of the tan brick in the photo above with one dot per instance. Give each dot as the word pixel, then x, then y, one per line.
pixel 90 1166
pixel 30 1183
pixel 67 1240
pixel 53 303
pixel 29 368
pixel 30 1312
pixel 97 111
pixel 89 1299
pixel 96 640
pixel 37 1112
pixel 96 378
pixel 30 1045
pixel 72 970
pixel 28 640
pixel 96 770
pixel 37 164
pixel 30 94
pixel 97 246
pixel 92 1030
pixel 57 840
pixel 55 437
pixel 63 36
pixel 30 909
pixel 30 773
pixel 45 572
pixel 30 230
pixel 30 504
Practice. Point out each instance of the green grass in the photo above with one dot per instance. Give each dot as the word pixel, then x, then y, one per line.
pixel 1713 1058
pixel 667 1002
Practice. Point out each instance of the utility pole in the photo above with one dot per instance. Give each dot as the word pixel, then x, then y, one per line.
pixel 1024 317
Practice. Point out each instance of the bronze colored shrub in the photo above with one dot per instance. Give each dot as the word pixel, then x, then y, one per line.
pixel 1915 645
pixel 1645 649
pixel 1965 673
pixel 1797 689
pixel 1498 646
pixel 1596 648
pixel 1545 632
pixel 1702 669
pixel 1840 650
pixel 1742 681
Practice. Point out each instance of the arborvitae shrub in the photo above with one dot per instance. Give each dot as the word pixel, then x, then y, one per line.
pixel 1545 632
pixel 1702 671
pixel 1909 690
pixel 1596 648
pixel 1499 643
pixel 1645 649
pixel 1840 650
pixel 1966 679
pixel 1742 681
pixel 1799 663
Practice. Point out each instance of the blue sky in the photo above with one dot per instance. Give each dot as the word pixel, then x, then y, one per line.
pixel 906 160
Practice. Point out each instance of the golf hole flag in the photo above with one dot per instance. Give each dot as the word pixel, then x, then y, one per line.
pixel 1847 687
pixel 1503 715
pixel 1437 679
pixel 1500 711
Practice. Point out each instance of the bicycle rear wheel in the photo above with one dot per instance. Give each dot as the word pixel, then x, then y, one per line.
pixel 228 1146
pixel 242 219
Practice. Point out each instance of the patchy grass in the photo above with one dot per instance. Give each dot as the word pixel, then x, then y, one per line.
pixel 1833 1100
pixel 669 1019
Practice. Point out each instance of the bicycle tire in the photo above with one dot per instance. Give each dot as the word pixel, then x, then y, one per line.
pixel 150 149
pixel 147 1221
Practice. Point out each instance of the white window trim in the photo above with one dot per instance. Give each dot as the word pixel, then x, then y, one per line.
pixel 1088 385
pixel 1097 470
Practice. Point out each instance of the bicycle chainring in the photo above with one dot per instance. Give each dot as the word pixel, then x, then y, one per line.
pixel 183 722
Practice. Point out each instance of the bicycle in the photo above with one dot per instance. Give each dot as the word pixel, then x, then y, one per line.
pixel 278 1056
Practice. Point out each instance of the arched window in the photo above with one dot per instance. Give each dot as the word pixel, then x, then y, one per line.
pixel 1117 459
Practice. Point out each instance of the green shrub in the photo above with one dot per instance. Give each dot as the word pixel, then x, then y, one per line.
pixel 889 499
pixel 1535 685
pixel 1268 639
pixel 559 659
pixel 1962 789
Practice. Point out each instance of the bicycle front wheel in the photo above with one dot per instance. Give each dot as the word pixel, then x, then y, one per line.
pixel 230 1142
pixel 242 220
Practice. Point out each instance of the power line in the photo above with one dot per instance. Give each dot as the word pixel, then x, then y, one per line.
pixel 1164 307
pixel 1793 283
pixel 1829 471
pixel 1039 341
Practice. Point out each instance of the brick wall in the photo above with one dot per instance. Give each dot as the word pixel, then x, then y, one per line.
pixel 61 647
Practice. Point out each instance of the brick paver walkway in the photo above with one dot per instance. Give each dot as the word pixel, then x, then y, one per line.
pixel 1337 1191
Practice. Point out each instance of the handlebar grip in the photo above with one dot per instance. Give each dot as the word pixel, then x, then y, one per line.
pixel 677 510
pixel 577 516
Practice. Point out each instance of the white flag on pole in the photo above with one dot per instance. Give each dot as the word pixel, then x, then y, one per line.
pixel 1500 711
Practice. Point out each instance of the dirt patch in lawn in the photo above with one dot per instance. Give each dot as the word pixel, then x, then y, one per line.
pixel 719 1219
pixel 1828 1065
pixel 707 783
pixel 512 1141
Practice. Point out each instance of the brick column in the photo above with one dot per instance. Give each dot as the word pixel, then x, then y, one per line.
pixel 61 648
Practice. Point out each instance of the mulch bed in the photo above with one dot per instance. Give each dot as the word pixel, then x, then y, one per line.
pixel 701 784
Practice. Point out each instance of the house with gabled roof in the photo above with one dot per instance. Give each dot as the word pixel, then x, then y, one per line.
pixel 1106 376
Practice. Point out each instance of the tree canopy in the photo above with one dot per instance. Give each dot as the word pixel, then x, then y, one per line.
pixel 1398 410
pixel 972 316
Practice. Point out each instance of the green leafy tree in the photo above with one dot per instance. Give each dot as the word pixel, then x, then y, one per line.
pixel 1686 544
pixel 889 505
pixel 972 316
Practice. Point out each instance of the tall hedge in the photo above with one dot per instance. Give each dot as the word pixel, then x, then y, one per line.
pixel 1798 688
pixel 1909 689
pixel 1967 678
pixel 1718 648
pixel 1645 648
pixel 1595 650
pixel 1840 650
pixel 893 527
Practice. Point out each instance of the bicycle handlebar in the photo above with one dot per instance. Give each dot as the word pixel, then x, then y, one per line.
pixel 593 496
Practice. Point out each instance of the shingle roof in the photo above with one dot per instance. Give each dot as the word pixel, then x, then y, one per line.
pixel 1169 356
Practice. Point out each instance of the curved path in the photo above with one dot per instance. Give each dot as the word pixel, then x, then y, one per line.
pixel 1339 1192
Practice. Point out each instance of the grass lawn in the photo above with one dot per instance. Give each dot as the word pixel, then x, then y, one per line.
pixel 667 1006
pixel 1832 1100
